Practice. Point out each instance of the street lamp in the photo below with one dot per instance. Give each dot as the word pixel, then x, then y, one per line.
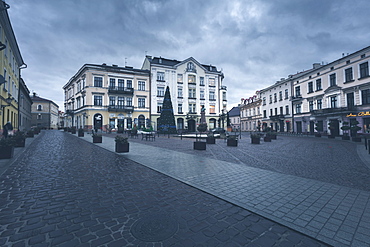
pixel 8 102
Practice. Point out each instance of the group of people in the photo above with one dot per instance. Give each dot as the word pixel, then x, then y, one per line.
pixel 8 130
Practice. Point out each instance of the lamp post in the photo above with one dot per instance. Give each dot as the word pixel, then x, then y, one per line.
pixel 8 102
pixel 222 118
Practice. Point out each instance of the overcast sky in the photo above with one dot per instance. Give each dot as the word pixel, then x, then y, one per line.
pixel 254 42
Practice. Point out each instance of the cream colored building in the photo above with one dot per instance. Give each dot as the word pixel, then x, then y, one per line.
pixel 250 114
pixel 107 97
pixel 44 113
pixel 192 85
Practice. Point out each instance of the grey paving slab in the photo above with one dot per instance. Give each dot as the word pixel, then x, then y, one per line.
pixel 250 187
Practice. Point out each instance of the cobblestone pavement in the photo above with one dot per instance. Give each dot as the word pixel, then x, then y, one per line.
pixel 64 191
pixel 338 215
pixel 327 160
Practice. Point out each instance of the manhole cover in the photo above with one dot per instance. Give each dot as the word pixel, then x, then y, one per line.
pixel 154 228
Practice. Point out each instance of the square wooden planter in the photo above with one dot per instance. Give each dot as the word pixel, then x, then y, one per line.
pixel 346 137
pixel 97 139
pixel 20 143
pixel 255 140
pixel 267 139
pixel 232 142
pixel 81 134
pixel 122 147
pixel 200 145
pixel 6 152
pixel 211 140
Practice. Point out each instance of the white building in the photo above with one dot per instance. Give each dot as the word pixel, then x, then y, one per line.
pixel 192 85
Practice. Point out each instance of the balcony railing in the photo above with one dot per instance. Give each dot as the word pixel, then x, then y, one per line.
pixel 120 108
pixel 121 90
pixel 333 110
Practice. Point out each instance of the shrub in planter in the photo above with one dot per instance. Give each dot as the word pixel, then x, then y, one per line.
pixel 19 139
pixel 232 141
pixel 97 138
pixel 81 132
pixel 355 129
pixel 122 145
pixel 6 148
pixel 199 145
pixel 345 129
pixel 73 130
pixel 211 138
pixel 30 133
pixel 272 135
pixel 267 138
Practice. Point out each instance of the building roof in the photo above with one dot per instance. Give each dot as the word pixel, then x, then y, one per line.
pixel 235 111
pixel 36 98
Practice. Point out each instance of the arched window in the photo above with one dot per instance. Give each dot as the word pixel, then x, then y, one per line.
pixel 39 107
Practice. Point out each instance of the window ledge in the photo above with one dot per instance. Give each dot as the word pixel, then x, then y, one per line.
pixel 348 81
pixel 364 77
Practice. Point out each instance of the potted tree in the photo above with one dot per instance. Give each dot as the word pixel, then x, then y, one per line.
pixel 211 138
pixel 97 138
pixel 198 144
pixel 81 132
pixel 318 130
pixel 272 135
pixel 345 129
pixel 232 141
pixel 73 130
pixel 354 128
pixel 6 148
pixel 19 139
pixel 255 138
pixel 122 145
pixel 267 138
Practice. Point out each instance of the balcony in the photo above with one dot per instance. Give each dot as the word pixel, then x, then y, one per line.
pixel 120 108
pixel 277 117
pixel 121 90
pixel 296 98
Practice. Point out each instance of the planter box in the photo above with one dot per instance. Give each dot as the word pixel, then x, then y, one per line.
pixel 122 147
pixel 200 145
pixel 232 143
pixel 6 152
pixel 346 138
pixel 20 143
pixel 81 134
pixel 97 139
pixel 211 140
pixel 317 135
pixel 30 134
pixel 356 139
pixel 273 137
pixel 331 137
pixel 255 140
pixel 267 139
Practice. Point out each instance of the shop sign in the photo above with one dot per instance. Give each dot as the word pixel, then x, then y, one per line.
pixel 360 114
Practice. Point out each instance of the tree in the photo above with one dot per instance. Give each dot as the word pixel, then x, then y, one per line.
pixel 166 122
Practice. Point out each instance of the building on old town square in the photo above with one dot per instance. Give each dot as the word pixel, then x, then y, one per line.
pixel 250 113
pixel 192 86
pixel 234 118
pixel 107 97
pixel 332 94
pixel 24 107
pixel 44 113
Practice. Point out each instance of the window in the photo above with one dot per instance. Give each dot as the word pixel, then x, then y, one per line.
pixel 319 104
pixel 264 114
pixel 129 101
pixel 310 105
pixel 98 100
pixel 129 83
pixel 286 94
pixel 270 112
pixel 201 94
pixel 112 83
pixel 179 78
pixel 365 94
pixel 364 70
pixel 212 95
pixel 298 108
pixel 212 109
pixel 159 106
pixel 160 91
pixel 287 110
pixel 160 76
pixel 276 112
pixel 270 99
pixel 121 102
pixel 191 79
pixel 298 91
pixel 224 96
pixel 333 80
pixel 280 95
pixel 39 116
pixel 350 100
pixel 141 85
pixel 264 100
pixel 211 82
pixel 98 81
pixel 192 108
pixel 348 75
pixel 281 110
pixel 192 93
pixel 310 87
pixel 318 85
pixel 179 108
pixel 179 92
pixel 121 84
pixel 141 102
pixel 39 107
pixel 333 102
pixel 112 101
pixel 275 97
pixel 201 81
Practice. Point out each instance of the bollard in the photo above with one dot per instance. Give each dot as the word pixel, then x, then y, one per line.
pixel 368 144
pixel 365 143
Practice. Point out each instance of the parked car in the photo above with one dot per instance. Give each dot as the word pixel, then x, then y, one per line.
pixel 218 131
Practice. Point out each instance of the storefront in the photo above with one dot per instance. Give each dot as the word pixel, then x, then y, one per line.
pixel 363 117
